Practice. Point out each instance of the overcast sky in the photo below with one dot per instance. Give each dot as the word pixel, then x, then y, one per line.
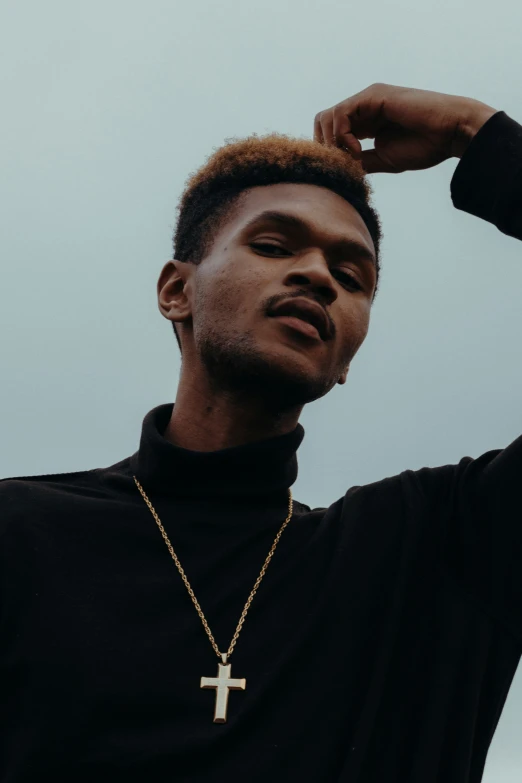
pixel 109 105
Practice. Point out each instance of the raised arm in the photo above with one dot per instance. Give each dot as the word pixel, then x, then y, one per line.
pixel 417 129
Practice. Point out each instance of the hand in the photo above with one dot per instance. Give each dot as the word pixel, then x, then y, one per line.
pixel 413 129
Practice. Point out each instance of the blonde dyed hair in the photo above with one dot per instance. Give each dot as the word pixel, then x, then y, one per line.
pixel 216 189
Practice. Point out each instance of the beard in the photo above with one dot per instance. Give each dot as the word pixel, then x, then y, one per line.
pixel 237 365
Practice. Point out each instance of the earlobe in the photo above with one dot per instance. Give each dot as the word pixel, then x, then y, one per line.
pixel 343 376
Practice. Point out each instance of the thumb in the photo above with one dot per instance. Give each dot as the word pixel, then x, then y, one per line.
pixel 372 163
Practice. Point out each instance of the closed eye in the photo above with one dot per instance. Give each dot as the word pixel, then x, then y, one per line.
pixel 346 279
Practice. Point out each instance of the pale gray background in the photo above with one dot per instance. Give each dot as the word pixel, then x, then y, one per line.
pixel 107 106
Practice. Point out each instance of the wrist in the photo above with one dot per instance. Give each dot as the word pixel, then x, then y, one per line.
pixel 473 119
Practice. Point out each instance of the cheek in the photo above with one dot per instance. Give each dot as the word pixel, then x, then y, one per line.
pixel 354 330
pixel 225 297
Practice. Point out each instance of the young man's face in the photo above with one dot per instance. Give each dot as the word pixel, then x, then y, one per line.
pixel 256 263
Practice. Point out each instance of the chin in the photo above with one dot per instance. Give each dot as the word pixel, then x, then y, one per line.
pixel 292 380
pixel 285 378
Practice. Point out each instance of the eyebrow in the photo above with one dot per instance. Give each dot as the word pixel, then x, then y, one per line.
pixel 346 244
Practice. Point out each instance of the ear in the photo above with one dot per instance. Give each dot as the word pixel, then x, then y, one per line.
pixel 174 288
pixel 343 376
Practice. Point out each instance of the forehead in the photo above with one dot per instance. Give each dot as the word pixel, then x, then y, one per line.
pixel 322 209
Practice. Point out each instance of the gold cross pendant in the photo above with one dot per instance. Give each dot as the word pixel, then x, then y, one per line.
pixel 223 683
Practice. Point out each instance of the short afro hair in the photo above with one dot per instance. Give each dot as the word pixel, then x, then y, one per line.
pixel 215 190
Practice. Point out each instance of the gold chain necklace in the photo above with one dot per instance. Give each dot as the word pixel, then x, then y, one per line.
pixel 223 683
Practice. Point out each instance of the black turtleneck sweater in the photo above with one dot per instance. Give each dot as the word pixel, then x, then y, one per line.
pixel 379 648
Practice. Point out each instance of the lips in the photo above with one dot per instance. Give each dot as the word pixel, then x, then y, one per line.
pixel 307 311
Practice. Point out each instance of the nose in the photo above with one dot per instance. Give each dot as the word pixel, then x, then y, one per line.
pixel 311 270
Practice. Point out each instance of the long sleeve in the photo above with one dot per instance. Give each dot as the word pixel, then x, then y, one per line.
pixel 484 533
pixel 487 182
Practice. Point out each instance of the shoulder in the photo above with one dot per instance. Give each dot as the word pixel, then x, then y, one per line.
pixel 32 498
pixel 431 487
pixel 72 482
pixel 40 499
pixel 422 485
pixel 14 489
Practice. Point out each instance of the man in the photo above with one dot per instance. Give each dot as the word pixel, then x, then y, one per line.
pixel 178 616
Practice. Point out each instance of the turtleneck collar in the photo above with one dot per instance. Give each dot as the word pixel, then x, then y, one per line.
pixel 259 468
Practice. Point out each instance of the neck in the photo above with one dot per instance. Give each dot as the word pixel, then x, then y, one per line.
pixel 204 419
